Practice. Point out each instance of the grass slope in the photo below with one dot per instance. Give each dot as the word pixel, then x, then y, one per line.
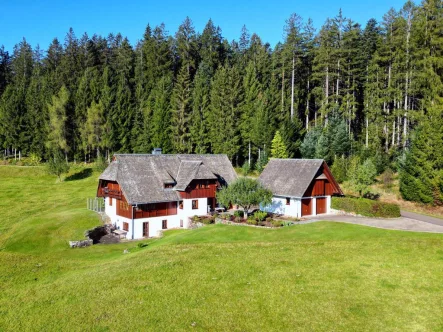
pixel 321 276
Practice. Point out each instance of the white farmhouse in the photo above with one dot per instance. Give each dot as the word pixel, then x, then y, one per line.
pixel 300 187
pixel 147 193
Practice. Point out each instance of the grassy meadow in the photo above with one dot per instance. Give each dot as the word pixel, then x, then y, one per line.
pixel 320 276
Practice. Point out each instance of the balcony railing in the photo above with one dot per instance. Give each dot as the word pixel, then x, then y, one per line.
pixel 112 193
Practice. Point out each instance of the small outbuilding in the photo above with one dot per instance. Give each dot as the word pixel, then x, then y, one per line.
pixel 300 187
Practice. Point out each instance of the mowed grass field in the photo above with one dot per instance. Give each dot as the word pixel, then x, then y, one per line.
pixel 320 276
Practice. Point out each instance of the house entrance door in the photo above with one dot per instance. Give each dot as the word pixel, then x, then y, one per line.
pixel 146 229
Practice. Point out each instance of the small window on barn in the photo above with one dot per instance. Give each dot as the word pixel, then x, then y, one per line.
pixel 168 185
pixel 164 224
pixel 125 226
pixel 207 185
pixel 181 223
pixel 195 204
pixel 180 205
pixel 288 201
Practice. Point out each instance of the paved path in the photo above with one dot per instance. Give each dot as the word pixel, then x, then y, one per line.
pixel 402 223
pixel 421 217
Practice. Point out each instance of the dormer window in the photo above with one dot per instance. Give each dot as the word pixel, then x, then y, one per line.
pixel 169 185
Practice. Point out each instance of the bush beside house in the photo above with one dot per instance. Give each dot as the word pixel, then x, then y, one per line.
pixel 366 207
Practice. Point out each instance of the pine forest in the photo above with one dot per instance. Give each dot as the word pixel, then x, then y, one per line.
pixel 345 93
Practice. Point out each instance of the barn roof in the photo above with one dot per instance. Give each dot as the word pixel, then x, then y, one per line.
pixel 292 177
pixel 142 177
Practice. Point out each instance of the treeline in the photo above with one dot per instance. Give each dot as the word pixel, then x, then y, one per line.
pixel 344 90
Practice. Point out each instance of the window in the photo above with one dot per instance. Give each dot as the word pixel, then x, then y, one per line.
pixel 168 185
pixel 180 205
pixel 207 185
pixel 125 226
pixel 288 201
pixel 194 204
pixel 181 223
pixel 164 224
pixel 110 201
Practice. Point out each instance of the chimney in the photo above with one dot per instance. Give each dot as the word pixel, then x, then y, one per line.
pixel 157 151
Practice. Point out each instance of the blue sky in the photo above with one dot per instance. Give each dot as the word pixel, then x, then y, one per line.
pixel 40 21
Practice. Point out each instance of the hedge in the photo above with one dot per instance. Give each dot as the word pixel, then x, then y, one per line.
pixel 366 207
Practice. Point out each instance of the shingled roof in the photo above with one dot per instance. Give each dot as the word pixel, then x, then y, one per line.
pixel 142 177
pixel 292 177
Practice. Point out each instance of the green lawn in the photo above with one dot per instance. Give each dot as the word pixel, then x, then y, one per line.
pixel 321 276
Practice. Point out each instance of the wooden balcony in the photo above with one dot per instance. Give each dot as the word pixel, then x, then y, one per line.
pixel 112 193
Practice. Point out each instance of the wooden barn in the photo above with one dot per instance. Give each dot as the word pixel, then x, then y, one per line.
pixel 301 187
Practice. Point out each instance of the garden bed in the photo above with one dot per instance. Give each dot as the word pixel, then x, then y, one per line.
pixel 258 219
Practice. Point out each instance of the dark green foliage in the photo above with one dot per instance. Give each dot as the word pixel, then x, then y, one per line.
pixel 366 207
pixel 246 168
pixel 339 169
pixel 421 176
pixel 341 92
pixel 57 165
pixel 364 177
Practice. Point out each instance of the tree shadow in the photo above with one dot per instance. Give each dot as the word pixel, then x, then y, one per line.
pixel 83 174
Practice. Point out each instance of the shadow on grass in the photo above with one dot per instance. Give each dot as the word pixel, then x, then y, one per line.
pixel 83 174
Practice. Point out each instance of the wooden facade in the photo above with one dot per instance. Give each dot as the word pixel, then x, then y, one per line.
pixel 319 188
pixel 155 210
pixel 196 189
pixel 124 209
pixel 324 186
pixel 109 189
pixel 200 189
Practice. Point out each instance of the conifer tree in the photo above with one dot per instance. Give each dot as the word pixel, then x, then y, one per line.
pixel 181 111
pixel 278 149
pixel 57 126
pixel 199 124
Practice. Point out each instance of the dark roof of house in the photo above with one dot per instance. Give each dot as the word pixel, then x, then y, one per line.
pixel 142 177
pixel 292 177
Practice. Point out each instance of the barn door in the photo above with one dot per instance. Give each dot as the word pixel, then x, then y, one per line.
pixel 146 229
pixel 306 207
pixel 321 205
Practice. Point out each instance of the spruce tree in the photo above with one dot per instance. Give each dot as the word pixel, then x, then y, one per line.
pixel 278 148
pixel 57 126
pixel 181 112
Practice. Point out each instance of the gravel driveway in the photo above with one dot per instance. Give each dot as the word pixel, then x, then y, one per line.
pixel 402 223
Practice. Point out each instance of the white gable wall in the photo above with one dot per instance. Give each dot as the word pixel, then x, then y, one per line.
pixel 111 211
pixel 156 223
pixel 279 206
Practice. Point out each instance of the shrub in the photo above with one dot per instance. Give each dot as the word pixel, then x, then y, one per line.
pixel 238 214
pixel 195 218
pixel 366 207
pixel 246 168
pixel 238 219
pixel 268 219
pixel 276 223
pixel 207 221
pixel 34 159
pixel 251 221
pixel 260 215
